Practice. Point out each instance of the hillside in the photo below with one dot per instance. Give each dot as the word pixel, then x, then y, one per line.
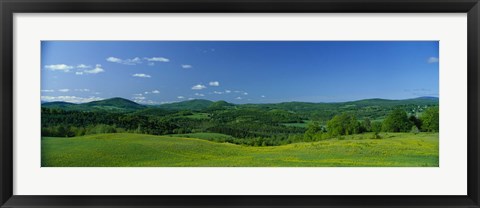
pixel 200 104
pixel 112 104
pixel 399 150
pixel 220 105
pixel 115 103
pixel 58 104
pixel 307 106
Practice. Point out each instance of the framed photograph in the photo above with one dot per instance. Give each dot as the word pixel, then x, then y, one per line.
pixel 266 103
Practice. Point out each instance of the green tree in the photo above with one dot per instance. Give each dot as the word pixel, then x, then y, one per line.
pixel 100 129
pixel 416 121
pixel 376 126
pixel 430 119
pixel 367 125
pixel 397 121
pixel 343 124
pixel 61 131
pixel 314 131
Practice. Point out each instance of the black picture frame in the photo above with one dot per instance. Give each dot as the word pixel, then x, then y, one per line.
pixel 9 7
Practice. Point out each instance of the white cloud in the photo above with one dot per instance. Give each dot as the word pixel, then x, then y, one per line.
pixel 191 98
pixel 181 97
pixel 114 60
pixel 228 91
pixel 187 66
pixel 238 98
pixel 83 66
pixel 146 102
pixel 133 61
pixel 151 64
pixel 139 98
pixel 82 90
pixel 98 69
pixel 214 83
pixel 142 75
pixel 59 67
pixel 262 96
pixel 199 94
pixel 70 99
pixel 199 87
pixel 48 90
pixel 157 59
pixel 139 94
pixel 211 50
pixel 64 90
pixel 241 92
pixel 150 92
pixel 217 92
pixel 432 60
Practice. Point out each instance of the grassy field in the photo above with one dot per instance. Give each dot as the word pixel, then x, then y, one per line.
pixel 138 150
pixel 205 136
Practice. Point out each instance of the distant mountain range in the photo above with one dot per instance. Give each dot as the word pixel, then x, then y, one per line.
pixel 122 104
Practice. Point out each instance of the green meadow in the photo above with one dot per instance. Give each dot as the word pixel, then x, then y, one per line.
pixel 194 150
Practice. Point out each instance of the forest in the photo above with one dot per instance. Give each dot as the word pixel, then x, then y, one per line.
pixel 245 124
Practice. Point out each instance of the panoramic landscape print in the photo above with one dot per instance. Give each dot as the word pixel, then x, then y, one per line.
pixel 239 104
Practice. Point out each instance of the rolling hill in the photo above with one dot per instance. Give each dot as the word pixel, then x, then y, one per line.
pixel 139 150
pixel 121 104
pixel 308 106
pixel 116 103
pixel 57 104
pixel 112 104
pixel 197 104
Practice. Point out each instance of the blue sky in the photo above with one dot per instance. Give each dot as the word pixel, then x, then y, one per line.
pixel 155 72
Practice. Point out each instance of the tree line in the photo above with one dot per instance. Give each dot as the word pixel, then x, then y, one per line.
pixel 396 121
pixel 252 127
pixel 245 124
